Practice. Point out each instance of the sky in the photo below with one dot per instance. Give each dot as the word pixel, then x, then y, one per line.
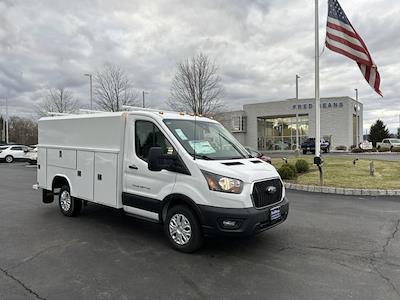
pixel 259 47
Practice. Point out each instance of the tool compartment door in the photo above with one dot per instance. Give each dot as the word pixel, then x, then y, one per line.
pixel 84 175
pixel 62 158
pixel 105 178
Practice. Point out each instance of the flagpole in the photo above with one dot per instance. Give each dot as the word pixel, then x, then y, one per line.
pixel 7 137
pixel 317 100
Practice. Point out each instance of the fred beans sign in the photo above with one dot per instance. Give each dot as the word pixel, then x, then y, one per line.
pixel 322 105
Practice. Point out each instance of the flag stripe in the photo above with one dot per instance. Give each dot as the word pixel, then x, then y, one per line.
pixel 337 23
pixel 345 36
pixel 377 83
pixel 346 43
pixel 347 51
pixel 372 74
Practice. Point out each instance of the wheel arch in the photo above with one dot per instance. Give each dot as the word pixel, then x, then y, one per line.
pixel 175 199
pixel 58 181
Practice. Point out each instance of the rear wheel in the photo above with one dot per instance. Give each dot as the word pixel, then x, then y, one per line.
pixel 183 229
pixel 9 159
pixel 69 206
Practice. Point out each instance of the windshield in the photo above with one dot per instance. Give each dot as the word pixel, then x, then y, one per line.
pixel 207 141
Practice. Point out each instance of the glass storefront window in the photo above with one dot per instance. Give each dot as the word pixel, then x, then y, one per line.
pixel 279 133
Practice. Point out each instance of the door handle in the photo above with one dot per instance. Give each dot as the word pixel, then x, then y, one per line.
pixel 133 167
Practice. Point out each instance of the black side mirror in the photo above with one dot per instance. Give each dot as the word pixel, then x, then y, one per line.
pixel 159 161
pixel 155 157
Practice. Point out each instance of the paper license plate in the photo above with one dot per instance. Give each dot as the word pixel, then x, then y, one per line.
pixel 275 213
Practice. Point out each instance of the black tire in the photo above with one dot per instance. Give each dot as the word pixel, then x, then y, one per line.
pixel 195 241
pixel 391 148
pixel 304 152
pixel 9 159
pixel 75 206
pixel 379 147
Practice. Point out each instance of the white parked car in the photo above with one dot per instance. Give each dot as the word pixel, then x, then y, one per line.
pixel 190 175
pixel 10 153
pixel 388 144
pixel 31 156
pixel 366 145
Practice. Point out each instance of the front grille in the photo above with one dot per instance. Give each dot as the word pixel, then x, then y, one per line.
pixel 261 196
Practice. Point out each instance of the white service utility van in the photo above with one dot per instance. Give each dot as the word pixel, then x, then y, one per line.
pixel 187 173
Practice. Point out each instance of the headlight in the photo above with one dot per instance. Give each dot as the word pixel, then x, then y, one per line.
pixel 223 184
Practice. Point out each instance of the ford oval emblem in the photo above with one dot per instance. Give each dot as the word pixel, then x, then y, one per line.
pixel 271 189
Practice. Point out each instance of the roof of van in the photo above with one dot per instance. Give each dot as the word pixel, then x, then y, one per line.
pixel 160 114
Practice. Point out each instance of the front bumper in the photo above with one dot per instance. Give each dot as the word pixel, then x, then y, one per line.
pixel 251 220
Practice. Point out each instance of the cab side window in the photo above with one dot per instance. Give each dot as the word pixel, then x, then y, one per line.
pixel 148 135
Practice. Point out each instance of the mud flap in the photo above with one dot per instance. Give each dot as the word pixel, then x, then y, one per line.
pixel 47 196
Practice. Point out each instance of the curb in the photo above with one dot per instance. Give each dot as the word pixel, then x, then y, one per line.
pixel 340 191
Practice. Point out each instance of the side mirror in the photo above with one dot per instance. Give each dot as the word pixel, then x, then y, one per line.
pixel 159 161
pixel 155 159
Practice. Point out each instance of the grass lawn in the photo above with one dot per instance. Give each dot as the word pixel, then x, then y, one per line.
pixel 340 172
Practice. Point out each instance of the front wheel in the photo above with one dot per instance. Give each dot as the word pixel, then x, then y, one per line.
pixel 9 159
pixel 183 229
pixel 304 151
pixel 69 206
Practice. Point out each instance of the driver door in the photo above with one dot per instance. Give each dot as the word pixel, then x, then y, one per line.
pixel 144 189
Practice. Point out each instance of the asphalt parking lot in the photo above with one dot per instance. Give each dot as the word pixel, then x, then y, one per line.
pixel 331 247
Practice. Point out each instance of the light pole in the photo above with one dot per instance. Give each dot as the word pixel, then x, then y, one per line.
pixel 91 90
pixel 143 93
pixel 7 137
pixel 357 121
pixel 297 114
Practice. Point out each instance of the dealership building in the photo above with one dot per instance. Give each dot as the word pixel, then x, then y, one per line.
pixel 270 126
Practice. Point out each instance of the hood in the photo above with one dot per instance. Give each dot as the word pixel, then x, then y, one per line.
pixel 248 170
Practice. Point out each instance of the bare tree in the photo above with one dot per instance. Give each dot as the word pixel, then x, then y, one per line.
pixel 196 86
pixel 113 89
pixel 23 130
pixel 58 100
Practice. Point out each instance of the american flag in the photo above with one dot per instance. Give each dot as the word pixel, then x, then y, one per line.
pixel 342 38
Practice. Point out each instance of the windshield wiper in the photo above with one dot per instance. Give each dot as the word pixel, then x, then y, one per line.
pixel 202 156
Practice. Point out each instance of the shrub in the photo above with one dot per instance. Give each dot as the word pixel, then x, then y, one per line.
pixel 302 166
pixel 396 149
pixel 341 147
pixel 287 171
pixel 357 150
pixel 353 147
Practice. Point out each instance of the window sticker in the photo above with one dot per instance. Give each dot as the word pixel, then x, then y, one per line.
pixel 202 147
pixel 181 135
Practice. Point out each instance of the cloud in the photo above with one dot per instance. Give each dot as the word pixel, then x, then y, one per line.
pixel 259 46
